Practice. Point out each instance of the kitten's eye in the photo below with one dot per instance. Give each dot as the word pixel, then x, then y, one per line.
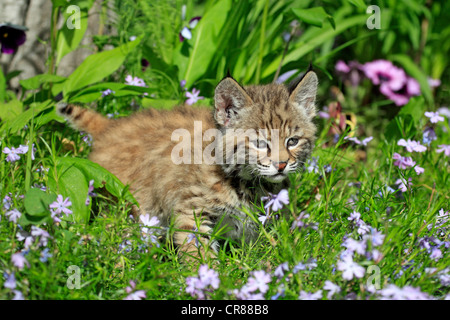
pixel 260 144
pixel 292 142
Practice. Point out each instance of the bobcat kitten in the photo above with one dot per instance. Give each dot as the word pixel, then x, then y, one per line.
pixel 139 150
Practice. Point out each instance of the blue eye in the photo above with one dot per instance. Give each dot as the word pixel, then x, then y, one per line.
pixel 292 142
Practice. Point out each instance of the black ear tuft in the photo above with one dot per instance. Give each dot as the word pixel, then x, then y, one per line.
pixel 59 97
pixel 228 74
pixel 294 83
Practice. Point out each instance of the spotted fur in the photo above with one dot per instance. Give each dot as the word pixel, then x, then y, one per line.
pixel 138 150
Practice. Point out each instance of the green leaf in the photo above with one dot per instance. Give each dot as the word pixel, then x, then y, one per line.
pixel 101 177
pixel 34 111
pixel 320 36
pixel 68 39
pixel 10 110
pixel 2 86
pixel 98 66
pixel 71 182
pixel 194 56
pixel 35 83
pixel 415 108
pixel 313 16
pixel 37 202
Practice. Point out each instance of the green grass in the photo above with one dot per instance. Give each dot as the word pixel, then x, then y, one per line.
pixel 104 246
pixel 110 253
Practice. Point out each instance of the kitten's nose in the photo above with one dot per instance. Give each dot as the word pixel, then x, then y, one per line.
pixel 280 166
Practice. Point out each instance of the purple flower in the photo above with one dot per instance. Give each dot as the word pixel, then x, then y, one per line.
pixel 192 236
pixel 26 237
pixel 286 76
pixel 375 237
pixel 90 192
pixel 310 296
pixel 428 135
pixel 350 268
pixel 13 215
pixel 355 246
pixel 279 271
pixel 136 295
pixel 434 117
pixel 13 153
pixel 10 282
pixel 354 216
pixel 403 185
pixel 45 255
pixel 148 230
pixel 411 145
pixel 19 260
pixel 444 148
pixel 11 37
pixel 107 92
pixel 331 288
pixel 433 83
pixel 134 81
pixel 403 162
pixel 207 280
pixel 61 205
pixel 186 33
pixel 364 142
pixel 353 72
pixel 193 97
pixel 277 201
pixel 406 293
pixel 258 281
pixel 402 96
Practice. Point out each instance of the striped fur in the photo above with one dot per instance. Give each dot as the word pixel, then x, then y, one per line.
pixel 137 149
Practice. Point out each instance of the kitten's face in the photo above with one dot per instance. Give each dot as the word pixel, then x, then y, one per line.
pixel 277 121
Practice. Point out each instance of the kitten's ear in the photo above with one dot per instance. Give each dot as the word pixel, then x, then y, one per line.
pixel 303 93
pixel 229 99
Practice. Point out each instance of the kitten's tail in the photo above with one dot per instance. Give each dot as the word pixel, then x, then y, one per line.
pixel 83 119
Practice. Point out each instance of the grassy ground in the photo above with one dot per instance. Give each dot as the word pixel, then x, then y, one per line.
pixel 401 239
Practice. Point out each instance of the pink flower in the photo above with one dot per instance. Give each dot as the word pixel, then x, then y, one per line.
pixel 393 81
pixel 193 97
pixel 385 74
pixel 351 72
pixel 444 148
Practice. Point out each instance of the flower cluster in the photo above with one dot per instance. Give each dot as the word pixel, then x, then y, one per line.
pixel 149 232
pixel 393 81
pixel 203 285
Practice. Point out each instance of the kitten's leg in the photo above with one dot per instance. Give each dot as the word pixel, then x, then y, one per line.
pixel 194 241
